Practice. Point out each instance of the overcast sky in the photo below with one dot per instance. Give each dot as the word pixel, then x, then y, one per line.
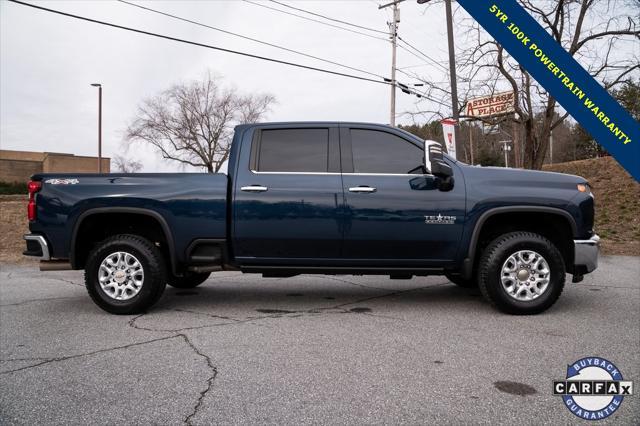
pixel 48 62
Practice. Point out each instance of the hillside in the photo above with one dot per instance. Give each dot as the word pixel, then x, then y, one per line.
pixel 617 197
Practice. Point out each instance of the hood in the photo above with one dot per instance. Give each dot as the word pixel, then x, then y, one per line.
pixel 521 177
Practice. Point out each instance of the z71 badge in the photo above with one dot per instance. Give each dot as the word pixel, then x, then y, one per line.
pixel 62 181
pixel 440 220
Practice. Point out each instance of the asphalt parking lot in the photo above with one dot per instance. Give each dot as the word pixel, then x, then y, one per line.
pixel 307 349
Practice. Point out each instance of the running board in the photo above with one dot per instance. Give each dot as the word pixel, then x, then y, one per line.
pixel 341 270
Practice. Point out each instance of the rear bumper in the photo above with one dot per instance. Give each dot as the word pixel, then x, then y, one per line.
pixel 586 254
pixel 37 247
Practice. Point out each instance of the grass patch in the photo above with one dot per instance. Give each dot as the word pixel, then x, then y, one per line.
pixel 617 197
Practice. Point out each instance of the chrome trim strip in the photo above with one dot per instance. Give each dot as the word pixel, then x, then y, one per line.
pixel 43 245
pixel 337 174
pixel 293 173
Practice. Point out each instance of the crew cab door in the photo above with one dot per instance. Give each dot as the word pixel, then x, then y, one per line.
pixel 396 215
pixel 288 196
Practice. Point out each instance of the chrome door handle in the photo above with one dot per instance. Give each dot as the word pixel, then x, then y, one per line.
pixel 254 188
pixel 362 189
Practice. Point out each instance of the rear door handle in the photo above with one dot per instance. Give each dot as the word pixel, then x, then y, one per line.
pixel 362 189
pixel 254 188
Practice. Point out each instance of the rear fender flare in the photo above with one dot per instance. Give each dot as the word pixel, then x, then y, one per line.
pixel 133 210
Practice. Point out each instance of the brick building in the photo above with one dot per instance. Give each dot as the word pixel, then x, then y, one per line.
pixel 17 166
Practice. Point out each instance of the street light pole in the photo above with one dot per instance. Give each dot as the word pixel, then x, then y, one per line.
pixel 99 86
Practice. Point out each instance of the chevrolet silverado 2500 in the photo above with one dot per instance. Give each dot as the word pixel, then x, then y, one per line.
pixel 321 198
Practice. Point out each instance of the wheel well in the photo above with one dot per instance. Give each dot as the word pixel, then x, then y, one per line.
pixel 99 226
pixel 556 228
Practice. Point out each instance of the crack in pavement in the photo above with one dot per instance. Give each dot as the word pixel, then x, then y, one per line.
pixel 65 358
pixel 38 300
pixel 206 314
pixel 335 309
pixel 188 419
pixel 24 359
pixel 608 286
pixel 214 373
pixel 355 284
pixel 64 280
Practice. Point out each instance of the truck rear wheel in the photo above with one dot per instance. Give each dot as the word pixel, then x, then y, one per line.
pixel 125 274
pixel 521 273
pixel 189 280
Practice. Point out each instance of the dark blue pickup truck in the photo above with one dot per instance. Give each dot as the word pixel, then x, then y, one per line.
pixel 321 198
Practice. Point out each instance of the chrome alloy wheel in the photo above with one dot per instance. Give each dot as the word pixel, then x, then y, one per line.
pixel 121 275
pixel 525 275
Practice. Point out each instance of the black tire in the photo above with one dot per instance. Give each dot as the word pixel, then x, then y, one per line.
pixel 190 280
pixel 461 282
pixel 490 270
pixel 153 267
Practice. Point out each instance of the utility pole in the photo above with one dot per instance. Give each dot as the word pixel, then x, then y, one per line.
pixel 452 61
pixel 393 35
pixel 99 86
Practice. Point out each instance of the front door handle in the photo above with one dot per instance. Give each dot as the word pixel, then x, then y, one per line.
pixel 254 188
pixel 362 189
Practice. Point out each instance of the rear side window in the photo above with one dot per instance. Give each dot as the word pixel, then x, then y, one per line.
pixel 293 150
pixel 382 152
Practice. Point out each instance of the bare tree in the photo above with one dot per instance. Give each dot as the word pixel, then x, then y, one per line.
pixel 126 165
pixel 594 32
pixel 193 122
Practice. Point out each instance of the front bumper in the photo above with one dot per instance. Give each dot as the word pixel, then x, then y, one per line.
pixel 37 246
pixel 586 255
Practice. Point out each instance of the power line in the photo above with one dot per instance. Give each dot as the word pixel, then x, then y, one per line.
pixel 314 20
pixel 194 43
pixel 248 38
pixel 326 17
pixel 222 49
pixel 430 59
pixel 428 83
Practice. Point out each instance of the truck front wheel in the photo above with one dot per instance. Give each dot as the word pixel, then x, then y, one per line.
pixel 521 273
pixel 189 280
pixel 125 274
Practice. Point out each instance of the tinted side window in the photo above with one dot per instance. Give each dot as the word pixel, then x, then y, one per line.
pixel 381 152
pixel 293 150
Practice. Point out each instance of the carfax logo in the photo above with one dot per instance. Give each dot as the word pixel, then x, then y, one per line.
pixel 593 389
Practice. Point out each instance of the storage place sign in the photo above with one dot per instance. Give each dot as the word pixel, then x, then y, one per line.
pixel 559 73
pixel 486 106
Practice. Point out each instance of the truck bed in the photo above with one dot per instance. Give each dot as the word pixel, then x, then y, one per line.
pixel 192 205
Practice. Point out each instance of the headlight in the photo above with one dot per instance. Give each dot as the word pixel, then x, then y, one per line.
pixel 584 187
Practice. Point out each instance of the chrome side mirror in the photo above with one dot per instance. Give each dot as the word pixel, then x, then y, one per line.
pixel 434 160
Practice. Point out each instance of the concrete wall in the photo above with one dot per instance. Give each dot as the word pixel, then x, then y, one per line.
pixel 65 163
pixel 6 154
pixel 17 166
